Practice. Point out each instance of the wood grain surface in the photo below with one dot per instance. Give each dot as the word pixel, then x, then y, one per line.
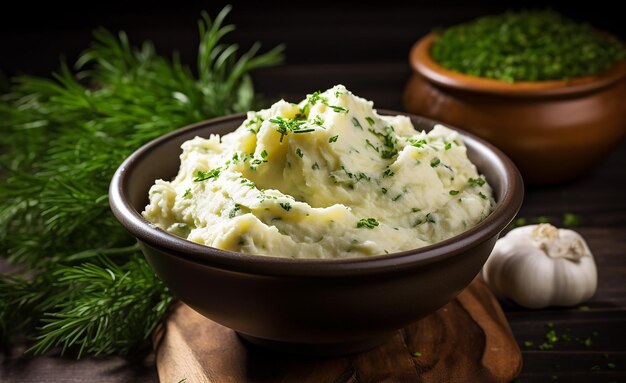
pixel 468 340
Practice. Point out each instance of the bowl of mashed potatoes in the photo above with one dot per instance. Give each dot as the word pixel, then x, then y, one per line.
pixel 317 227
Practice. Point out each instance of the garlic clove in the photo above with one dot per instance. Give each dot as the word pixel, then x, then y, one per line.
pixel 573 284
pixel 539 265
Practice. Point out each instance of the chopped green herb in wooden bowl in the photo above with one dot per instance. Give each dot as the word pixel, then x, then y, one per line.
pixel 526 46
pixel 546 90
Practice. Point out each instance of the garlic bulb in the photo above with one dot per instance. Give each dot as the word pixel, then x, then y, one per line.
pixel 539 265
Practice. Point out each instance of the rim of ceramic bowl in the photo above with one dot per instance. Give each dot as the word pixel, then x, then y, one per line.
pixel 423 63
pixel 504 212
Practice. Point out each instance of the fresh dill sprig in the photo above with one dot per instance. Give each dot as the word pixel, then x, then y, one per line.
pixel 81 281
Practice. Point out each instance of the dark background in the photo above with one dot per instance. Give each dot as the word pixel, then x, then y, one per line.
pixel 32 36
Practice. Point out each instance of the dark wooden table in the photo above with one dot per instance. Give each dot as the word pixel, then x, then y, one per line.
pixel 372 69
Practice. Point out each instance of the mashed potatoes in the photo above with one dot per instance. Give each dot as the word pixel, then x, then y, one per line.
pixel 325 178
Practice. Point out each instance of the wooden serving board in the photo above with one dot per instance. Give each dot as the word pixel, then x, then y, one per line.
pixel 468 340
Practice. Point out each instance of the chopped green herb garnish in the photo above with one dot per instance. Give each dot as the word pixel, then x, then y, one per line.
pixel 454 192
pixel 315 166
pixel 384 190
pixel 369 143
pixel 362 176
pixel 476 181
pixel 571 220
pixel 481 195
pixel 551 336
pixel 338 109
pixel 202 176
pixel 435 162
pixel 546 346
pixel 289 126
pixel 333 139
pixel 534 45
pixel 369 120
pixel 388 154
pixel 448 146
pixel 394 199
pixel 264 153
pixel 543 219
pixel 430 218
pixel 369 223
pixel 388 173
pixel 318 120
pixel 235 211
pixel 416 354
pixel 417 143
pixel 257 161
pixel 388 140
pixel 285 205
pixel 356 123
pixel 521 221
pixel 416 209
pixel 187 193
pixel 299 152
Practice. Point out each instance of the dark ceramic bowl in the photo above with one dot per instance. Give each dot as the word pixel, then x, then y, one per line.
pixel 309 305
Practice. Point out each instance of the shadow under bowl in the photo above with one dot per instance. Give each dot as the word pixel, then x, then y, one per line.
pixel 310 306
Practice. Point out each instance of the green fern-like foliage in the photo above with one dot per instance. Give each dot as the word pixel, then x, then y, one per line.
pixel 82 282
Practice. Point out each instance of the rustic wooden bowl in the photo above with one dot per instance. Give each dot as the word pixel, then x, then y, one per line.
pixel 554 131
pixel 313 306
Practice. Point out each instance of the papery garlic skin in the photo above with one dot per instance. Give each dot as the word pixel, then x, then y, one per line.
pixel 539 265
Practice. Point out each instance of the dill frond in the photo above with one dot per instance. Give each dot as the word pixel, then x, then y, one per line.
pixel 83 283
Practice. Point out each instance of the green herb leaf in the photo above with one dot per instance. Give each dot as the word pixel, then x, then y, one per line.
pixel 235 211
pixel 368 223
pixel 476 181
pixel 338 109
pixel 285 205
pixel 571 220
pixel 203 176
pixel 285 126
pixel 454 192
pixel 333 139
